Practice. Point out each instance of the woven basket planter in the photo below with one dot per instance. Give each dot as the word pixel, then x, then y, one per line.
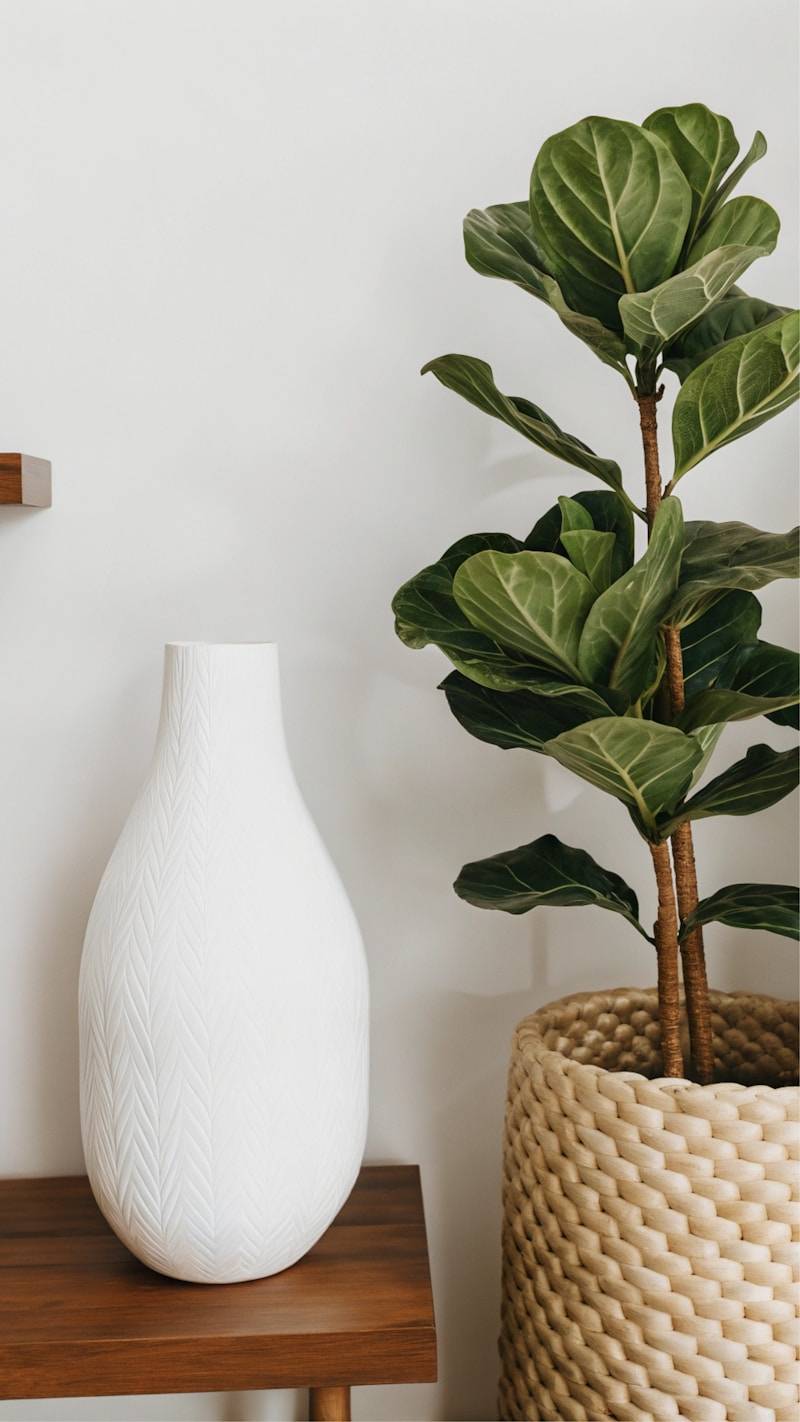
pixel 649 1268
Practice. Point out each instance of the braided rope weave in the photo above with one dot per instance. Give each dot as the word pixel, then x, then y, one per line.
pixel 650 1255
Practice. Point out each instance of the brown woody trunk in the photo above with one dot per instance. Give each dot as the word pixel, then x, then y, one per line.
pixel 665 930
pixel 692 952
pixel 698 1006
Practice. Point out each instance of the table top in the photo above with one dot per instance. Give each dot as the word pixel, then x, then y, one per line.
pixel 79 1316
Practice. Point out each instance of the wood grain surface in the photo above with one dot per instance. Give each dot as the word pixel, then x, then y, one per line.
pixel 25 479
pixel 79 1316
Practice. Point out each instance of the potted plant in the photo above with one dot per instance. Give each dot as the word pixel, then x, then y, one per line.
pixel 648 1191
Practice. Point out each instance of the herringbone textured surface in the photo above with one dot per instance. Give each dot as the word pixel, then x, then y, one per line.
pixel 223 1034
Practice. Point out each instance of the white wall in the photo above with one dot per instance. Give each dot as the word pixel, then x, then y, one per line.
pixel 230 237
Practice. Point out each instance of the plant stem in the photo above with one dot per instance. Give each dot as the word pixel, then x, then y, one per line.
pixel 665 930
pixel 698 1007
pixel 648 421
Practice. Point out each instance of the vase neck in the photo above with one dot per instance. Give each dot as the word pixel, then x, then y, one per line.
pixel 226 694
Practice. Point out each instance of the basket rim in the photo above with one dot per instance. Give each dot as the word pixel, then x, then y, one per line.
pixel 528 1044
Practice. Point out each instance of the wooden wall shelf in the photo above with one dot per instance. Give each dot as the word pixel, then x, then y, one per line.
pixel 24 479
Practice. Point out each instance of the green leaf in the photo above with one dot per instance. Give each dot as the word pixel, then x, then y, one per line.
pixel 707 738
pixel 610 208
pixel 573 515
pixel 763 669
pixel 426 612
pixel 758 679
pixel 646 765
pixel 773 907
pixel 546 873
pixel 618 642
pixel 592 554
pixel 761 779
pixel 786 716
pixel 707 643
pixel 653 319
pixel 515 719
pixel 744 222
pixel 607 345
pixel 611 515
pixel 590 701
pixel 463 548
pixel 473 380
pixel 608 514
pixel 535 603
pixel 735 390
pixel 703 144
pixel 756 151
pixel 735 315
pixel 589 550
pixel 718 704
pixel 545 536
pixel 721 556
pixel 499 242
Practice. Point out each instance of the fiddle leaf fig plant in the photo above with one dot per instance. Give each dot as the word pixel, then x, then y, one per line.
pixel 628 668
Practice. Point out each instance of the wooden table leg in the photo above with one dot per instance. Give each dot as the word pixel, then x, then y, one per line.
pixel 329 1404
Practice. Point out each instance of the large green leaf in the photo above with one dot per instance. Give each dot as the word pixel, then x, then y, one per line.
pixel 764 669
pixel 735 390
pixel 473 380
pixel 546 873
pixel 545 536
pixel 590 701
pixel 722 556
pixel 707 643
pixel 517 719
pixel 646 765
pixel 574 515
pixel 592 554
pixel 755 152
pixel 707 738
pixel 499 242
pixel 756 679
pixel 610 208
pixel 607 345
pixel 703 144
pixel 608 514
pixel 618 643
pixel 773 907
pixel 761 779
pixel 589 550
pixel 718 704
pixel 426 612
pixel 743 222
pixel 463 548
pixel 653 319
pixel 735 315
pixel 534 603
pixel 770 671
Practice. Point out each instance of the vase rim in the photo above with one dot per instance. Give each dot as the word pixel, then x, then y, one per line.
pixel 235 646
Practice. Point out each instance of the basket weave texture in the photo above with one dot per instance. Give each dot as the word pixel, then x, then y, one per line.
pixel 650 1254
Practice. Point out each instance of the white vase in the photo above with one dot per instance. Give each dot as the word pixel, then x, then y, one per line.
pixel 223 994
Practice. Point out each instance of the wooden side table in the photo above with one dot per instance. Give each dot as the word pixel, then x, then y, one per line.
pixel 79 1316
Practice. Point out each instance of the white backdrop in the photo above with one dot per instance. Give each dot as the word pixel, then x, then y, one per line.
pixel 230 238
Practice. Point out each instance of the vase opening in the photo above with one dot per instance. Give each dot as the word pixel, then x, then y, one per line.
pixel 213 645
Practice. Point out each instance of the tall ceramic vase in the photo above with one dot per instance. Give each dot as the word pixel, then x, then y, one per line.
pixel 223 994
